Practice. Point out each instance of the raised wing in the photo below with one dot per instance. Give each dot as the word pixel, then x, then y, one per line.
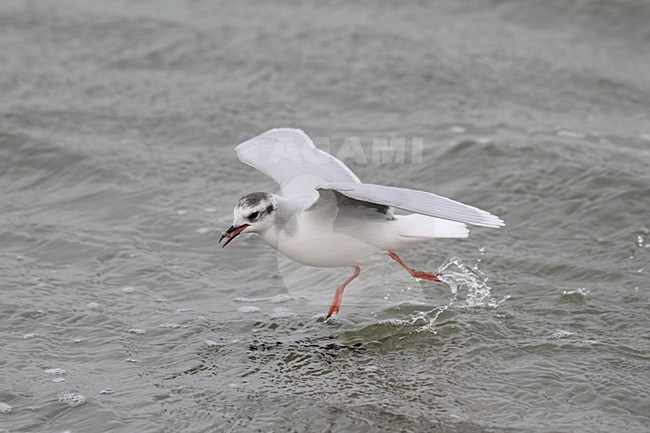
pixel 290 158
pixel 412 200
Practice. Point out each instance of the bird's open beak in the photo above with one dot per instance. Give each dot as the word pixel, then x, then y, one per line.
pixel 232 233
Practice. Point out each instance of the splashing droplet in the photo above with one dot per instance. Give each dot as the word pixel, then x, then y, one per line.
pixel 468 285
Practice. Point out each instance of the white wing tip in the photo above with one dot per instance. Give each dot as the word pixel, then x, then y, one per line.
pixel 286 129
pixel 265 134
pixel 293 130
pixel 307 140
pixel 492 221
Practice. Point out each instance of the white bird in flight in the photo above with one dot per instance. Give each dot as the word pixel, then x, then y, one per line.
pixel 326 217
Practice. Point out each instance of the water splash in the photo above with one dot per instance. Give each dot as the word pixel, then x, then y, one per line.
pixel 423 320
pixel 642 238
pixel 578 295
pixel 468 284
pixel 469 289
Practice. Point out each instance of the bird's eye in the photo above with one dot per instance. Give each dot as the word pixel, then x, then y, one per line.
pixel 253 215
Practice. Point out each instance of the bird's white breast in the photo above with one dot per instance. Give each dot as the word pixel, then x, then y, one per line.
pixel 318 239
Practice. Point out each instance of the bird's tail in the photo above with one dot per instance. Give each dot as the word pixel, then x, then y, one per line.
pixel 426 227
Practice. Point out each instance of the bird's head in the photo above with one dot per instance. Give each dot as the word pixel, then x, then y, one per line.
pixel 254 213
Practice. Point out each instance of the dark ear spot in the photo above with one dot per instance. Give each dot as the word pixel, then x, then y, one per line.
pixel 269 209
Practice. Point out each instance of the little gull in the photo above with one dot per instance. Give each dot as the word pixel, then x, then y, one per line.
pixel 326 217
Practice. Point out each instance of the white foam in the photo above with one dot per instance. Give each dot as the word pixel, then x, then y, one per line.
pixel 242 299
pixel 169 325
pixel 561 333
pixel 581 291
pixel 4 408
pixel 483 140
pixel 571 134
pixel 56 371
pixel 279 313
pixel 248 309
pixel 283 297
pixel 72 399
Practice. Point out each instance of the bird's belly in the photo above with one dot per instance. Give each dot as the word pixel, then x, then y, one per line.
pixel 328 250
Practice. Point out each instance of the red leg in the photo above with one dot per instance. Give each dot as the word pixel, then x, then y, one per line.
pixel 338 296
pixel 416 274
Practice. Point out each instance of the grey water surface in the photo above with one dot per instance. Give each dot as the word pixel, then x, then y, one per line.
pixel 119 311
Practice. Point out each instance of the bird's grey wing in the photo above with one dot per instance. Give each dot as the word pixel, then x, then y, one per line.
pixel 420 202
pixel 290 158
pixel 347 207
